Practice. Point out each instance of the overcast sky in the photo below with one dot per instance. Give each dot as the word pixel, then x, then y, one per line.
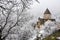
pixel 53 5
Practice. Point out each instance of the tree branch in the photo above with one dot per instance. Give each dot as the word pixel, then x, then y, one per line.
pixel 7 17
pixel 37 1
pixel 1 26
pixel 6 20
pixel 9 31
pixel 2 7
pixel 3 13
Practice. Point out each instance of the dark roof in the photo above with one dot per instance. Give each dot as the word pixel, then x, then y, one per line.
pixel 49 19
pixel 47 11
pixel 44 20
pixel 39 18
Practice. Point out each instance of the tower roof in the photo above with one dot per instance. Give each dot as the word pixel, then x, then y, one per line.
pixel 47 11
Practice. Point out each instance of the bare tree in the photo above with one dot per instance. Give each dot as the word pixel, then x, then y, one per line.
pixel 11 15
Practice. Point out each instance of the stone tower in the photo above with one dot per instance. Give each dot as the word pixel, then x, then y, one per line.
pixel 46 17
pixel 47 14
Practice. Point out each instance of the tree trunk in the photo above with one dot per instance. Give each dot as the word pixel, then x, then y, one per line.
pixel 0 34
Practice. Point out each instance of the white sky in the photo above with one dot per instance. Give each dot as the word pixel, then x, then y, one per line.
pixel 38 9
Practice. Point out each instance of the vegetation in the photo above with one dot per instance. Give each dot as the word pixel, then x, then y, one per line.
pixel 12 15
pixel 53 36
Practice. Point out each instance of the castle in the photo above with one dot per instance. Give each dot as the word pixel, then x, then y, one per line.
pixel 46 17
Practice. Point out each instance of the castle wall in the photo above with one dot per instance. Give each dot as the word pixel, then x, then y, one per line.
pixel 47 16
